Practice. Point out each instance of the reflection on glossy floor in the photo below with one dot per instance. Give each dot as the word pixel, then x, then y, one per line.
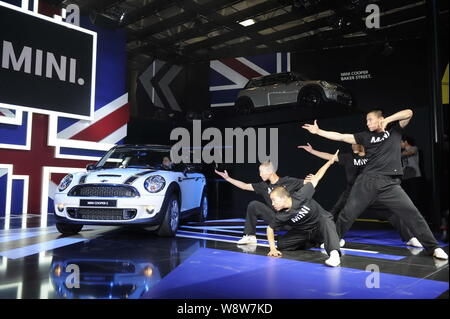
pixel 203 261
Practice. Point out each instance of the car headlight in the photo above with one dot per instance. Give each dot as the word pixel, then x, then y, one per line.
pixel 65 182
pixel 57 270
pixel 154 183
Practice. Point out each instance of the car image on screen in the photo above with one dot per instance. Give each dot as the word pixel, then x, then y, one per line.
pixel 289 88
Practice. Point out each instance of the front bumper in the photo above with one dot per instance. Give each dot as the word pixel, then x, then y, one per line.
pixel 136 210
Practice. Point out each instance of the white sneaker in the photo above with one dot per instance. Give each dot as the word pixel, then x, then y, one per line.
pixel 247 239
pixel 341 244
pixel 414 242
pixel 248 248
pixel 438 263
pixel 440 254
pixel 334 259
pixel 414 250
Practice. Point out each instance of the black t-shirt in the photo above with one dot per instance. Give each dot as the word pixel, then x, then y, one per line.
pixel 383 150
pixel 353 165
pixel 264 189
pixel 304 213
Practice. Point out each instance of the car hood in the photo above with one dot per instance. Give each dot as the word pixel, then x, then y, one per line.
pixel 115 175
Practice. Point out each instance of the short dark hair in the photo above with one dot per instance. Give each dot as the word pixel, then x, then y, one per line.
pixel 280 191
pixel 377 112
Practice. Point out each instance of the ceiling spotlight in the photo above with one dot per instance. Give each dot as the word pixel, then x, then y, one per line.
pixel 247 22
pixel 207 115
pixel 121 17
pixel 338 23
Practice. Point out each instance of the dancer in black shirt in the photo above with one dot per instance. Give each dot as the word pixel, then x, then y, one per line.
pixel 308 222
pixel 257 209
pixel 379 182
pixel 353 164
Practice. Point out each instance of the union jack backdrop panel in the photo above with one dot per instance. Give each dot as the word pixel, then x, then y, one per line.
pixel 37 150
pixel 14 134
pixel 228 76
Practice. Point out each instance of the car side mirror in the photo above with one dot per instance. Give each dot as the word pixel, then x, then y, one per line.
pixel 90 167
pixel 189 169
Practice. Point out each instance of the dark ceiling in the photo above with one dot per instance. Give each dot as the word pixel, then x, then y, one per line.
pixel 189 31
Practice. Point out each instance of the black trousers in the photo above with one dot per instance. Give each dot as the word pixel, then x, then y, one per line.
pixel 257 210
pixel 325 232
pixel 385 191
pixel 340 202
pixel 395 221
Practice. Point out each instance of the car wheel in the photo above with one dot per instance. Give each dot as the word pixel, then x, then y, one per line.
pixel 244 106
pixel 203 209
pixel 68 229
pixel 171 219
pixel 310 97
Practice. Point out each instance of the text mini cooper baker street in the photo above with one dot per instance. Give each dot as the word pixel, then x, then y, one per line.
pixel 131 185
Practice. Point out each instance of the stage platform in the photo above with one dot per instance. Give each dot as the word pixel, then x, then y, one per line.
pixel 204 262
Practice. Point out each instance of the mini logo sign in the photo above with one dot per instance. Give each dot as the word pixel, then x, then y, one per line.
pixel 53 61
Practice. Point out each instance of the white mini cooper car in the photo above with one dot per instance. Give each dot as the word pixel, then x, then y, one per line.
pixel 132 185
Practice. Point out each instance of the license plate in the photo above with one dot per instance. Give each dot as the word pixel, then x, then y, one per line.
pixel 98 202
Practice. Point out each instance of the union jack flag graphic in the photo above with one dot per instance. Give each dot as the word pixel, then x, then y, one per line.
pixel 37 150
pixel 228 76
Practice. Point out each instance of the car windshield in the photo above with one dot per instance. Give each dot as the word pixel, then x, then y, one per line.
pixel 275 78
pixel 253 83
pixel 135 158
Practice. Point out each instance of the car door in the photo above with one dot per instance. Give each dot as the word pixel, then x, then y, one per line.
pixel 191 185
pixel 257 93
pixel 291 88
pixel 274 91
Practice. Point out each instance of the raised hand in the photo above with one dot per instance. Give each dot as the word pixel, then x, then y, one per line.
pixel 335 157
pixel 312 128
pixel 382 124
pixel 307 147
pixel 308 178
pixel 224 174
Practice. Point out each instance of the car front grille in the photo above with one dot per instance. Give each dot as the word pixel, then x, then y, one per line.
pixel 101 213
pixel 106 267
pixel 99 190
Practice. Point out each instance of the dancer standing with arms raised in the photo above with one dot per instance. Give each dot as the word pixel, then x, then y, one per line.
pixel 379 182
